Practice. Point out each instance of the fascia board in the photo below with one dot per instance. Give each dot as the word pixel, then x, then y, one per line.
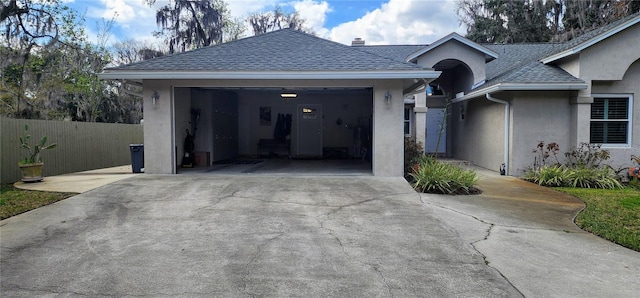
pixel 590 42
pixel 234 75
pixel 457 37
pixel 521 87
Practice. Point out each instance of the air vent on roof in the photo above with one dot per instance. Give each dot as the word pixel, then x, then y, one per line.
pixel 357 42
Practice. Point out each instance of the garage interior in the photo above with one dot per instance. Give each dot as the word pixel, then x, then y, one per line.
pixel 273 130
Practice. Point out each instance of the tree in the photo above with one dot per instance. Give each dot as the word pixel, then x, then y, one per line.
pixel 583 15
pixel 504 21
pixel 190 24
pixel 275 20
pixel 509 21
pixel 131 50
pixel 48 66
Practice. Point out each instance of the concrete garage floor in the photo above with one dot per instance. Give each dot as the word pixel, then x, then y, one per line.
pixel 230 236
pixel 285 166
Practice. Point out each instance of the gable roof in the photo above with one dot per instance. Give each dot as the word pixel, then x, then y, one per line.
pixel 518 68
pixel 592 37
pixel 283 54
pixel 489 55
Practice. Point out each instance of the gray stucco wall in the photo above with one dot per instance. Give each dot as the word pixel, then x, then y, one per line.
pixel 158 128
pixel 609 67
pixel 479 138
pixel 538 117
pixel 458 51
pixel 629 85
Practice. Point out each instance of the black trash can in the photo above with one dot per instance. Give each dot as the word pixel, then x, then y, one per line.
pixel 137 157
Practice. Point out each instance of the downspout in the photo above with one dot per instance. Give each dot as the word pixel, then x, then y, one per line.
pixel 507 106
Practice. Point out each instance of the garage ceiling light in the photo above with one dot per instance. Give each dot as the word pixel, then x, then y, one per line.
pixel 288 95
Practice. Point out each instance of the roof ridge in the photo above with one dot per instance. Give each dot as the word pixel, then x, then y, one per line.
pixel 352 48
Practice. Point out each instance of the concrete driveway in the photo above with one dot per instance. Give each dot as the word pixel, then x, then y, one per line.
pixel 243 236
pixel 315 236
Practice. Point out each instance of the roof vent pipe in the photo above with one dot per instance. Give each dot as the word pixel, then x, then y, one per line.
pixel 506 130
pixel 357 42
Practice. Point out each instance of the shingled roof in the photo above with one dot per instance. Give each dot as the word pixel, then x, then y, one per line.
pixel 519 64
pixel 282 50
pixel 397 52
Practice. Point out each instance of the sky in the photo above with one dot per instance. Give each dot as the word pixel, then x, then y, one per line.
pixel 377 22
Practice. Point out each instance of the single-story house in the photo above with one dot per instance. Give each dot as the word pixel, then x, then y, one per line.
pixel 504 98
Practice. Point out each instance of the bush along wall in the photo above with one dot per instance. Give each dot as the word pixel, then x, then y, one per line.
pixel 584 167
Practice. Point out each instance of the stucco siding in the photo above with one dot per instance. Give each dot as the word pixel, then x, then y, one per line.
pixel 456 50
pixel 479 138
pixel 388 129
pixel 538 117
pixel 629 85
pixel 158 128
pixel 610 58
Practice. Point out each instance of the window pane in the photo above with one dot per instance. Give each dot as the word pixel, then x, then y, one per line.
pixel 406 128
pixel 407 113
pixel 597 108
pixel 617 108
pixel 608 132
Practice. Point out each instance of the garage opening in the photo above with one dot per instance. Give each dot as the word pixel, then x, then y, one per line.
pixel 274 130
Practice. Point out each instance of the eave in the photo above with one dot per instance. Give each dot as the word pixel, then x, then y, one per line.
pixel 521 87
pixel 138 75
pixel 580 47
pixel 489 55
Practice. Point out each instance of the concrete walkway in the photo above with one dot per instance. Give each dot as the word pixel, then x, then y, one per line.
pixel 79 182
pixel 526 232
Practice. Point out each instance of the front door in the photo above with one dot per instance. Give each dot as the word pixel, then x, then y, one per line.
pixel 310 130
pixel 435 129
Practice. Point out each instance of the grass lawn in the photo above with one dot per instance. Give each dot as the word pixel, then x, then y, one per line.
pixel 610 214
pixel 14 201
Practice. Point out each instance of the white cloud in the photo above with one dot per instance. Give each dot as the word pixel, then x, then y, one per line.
pixel 119 8
pixel 394 22
pixel 244 8
pixel 401 22
pixel 314 13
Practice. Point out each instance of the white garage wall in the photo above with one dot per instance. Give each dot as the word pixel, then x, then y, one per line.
pixel 352 109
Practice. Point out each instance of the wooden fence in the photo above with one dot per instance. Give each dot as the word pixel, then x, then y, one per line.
pixel 81 146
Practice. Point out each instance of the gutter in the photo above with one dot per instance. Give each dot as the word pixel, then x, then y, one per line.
pixel 507 107
pixel 267 75
pixel 521 87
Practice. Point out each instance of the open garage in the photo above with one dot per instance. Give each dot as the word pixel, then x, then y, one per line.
pixel 230 125
pixel 281 95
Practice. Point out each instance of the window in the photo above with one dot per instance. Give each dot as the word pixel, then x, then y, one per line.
pixel 610 119
pixel 408 116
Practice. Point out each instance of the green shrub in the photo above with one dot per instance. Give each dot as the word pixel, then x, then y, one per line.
pixel 584 168
pixel 433 176
pixel 413 150
pixel 594 178
pixel 554 175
